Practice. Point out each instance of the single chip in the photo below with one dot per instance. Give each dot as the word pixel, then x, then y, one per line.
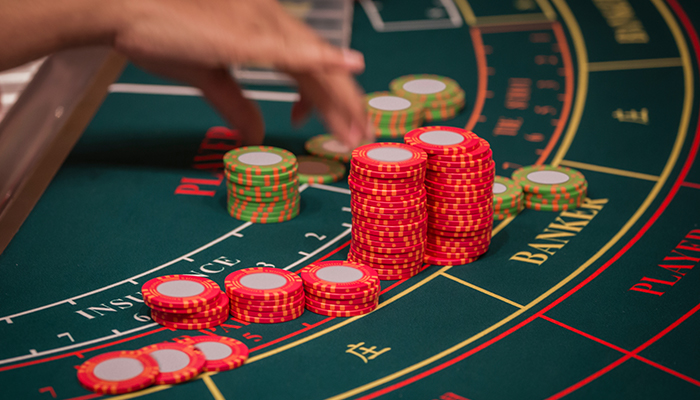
pixel 189 325
pixel 363 302
pixel 326 305
pixel 282 307
pixel 214 308
pixel 361 294
pixel 261 320
pixel 263 283
pixel 177 362
pixel 265 303
pixel 449 261
pixel 180 291
pixel 443 140
pixel 365 172
pixel 425 88
pixel 339 277
pixel 389 157
pixel 338 313
pixel 327 146
pixel 259 161
pixel 548 179
pixel 221 353
pixel 118 372
pixel 319 170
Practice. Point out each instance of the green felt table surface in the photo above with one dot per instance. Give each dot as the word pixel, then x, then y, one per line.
pixel 605 305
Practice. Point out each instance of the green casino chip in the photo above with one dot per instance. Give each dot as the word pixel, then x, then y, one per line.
pixel 425 87
pixel 506 192
pixel 319 170
pixel 258 161
pixel 327 146
pixel 388 108
pixel 548 179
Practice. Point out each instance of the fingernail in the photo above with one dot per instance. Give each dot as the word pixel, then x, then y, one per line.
pixel 354 59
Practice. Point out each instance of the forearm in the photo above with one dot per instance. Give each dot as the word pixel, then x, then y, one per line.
pixel 30 29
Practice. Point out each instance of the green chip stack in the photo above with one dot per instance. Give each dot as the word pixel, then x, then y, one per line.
pixel 441 97
pixel 319 170
pixel 262 184
pixel 550 188
pixel 507 198
pixel 393 115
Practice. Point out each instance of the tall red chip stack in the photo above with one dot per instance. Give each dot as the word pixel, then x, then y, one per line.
pixel 388 204
pixel 459 185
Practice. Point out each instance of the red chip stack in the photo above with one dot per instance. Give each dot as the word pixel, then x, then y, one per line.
pixel 185 302
pixel 459 185
pixel 388 203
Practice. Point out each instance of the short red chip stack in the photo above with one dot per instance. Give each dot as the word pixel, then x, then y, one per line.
pixel 265 295
pixel 459 185
pixel 389 219
pixel 340 288
pixel 185 302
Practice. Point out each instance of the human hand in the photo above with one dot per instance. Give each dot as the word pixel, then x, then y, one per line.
pixel 196 41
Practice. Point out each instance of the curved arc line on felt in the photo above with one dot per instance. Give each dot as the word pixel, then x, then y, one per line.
pixel 579 44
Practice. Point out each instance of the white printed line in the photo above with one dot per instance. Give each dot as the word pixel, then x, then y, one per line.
pixel 320 249
pixel 373 14
pixel 34 353
pixel 171 90
pixel 346 225
pixel 346 209
pixel 132 279
pixel 330 188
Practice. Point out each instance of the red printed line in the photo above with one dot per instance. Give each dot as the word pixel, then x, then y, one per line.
pixel 262 346
pixel 621 350
pixel 79 354
pixel 481 66
pixel 568 92
pixel 631 354
pixel 692 185
pixel 667 200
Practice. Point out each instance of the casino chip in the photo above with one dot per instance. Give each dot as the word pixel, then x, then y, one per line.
pixel 393 115
pixel 185 302
pixel 442 98
pixel 340 288
pixel 459 184
pixel 221 353
pixel 550 188
pixel 319 170
pixel 326 146
pixel 118 372
pixel 388 205
pixel 262 183
pixel 177 362
pixel 507 198
pixel 265 295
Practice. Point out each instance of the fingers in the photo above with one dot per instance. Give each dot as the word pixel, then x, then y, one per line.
pixel 340 103
pixel 292 46
pixel 226 96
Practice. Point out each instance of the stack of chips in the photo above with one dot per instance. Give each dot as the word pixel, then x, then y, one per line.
pixel 393 115
pixel 388 204
pixel 550 188
pixel 185 302
pixel 507 198
pixel 262 184
pixel 459 185
pixel 340 288
pixel 265 295
pixel 125 371
pixel 319 170
pixel 441 97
